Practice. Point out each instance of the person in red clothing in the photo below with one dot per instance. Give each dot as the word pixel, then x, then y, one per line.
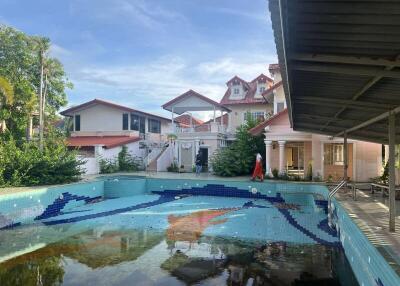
pixel 258 169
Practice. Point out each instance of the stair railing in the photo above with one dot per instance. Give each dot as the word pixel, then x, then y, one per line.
pixel 330 196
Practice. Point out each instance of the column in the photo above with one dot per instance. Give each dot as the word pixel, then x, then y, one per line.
pixel 345 156
pixel 214 114
pixel 392 174
pixel 228 127
pixel 268 149
pixel 173 131
pixel 222 117
pixel 282 156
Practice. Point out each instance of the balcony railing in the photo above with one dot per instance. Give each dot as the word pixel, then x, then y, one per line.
pixel 204 128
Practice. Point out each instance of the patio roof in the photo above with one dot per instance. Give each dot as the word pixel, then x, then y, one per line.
pixel 340 64
pixel 107 141
pixel 193 101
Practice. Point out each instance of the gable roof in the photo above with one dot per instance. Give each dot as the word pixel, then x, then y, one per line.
pixel 96 101
pixel 258 129
pixel 184 119
pixel 262 78
pixel 107 141
pixel 189 93
pixel 236 80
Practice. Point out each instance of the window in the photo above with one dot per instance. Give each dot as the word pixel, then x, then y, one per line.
pixel 77 123
pixel 280 106
pixel 257 116
pixel 333 154
pixel 125 121
pixel 262 89
pixel 154 126
pixel 138 123
pixel 236 91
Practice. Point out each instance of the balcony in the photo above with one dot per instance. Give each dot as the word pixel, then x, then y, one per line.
pixel 204 128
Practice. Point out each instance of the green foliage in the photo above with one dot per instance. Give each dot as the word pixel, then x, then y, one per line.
pixel 125 162
pixel 20 61
pixel 173 168
pixel 275 173
pixel 108 166
pixel 24 165
pixel 385 175
pixel 309 175
pixel 239 157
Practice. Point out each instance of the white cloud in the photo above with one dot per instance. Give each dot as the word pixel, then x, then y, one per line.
pixel 148 86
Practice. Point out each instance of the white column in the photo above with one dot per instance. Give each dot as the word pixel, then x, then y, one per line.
pixel 172 122
pixel 392 172
pixel 214 114
pixel 228 127
pixel 386 159
pixel 282 156
pixel 268 149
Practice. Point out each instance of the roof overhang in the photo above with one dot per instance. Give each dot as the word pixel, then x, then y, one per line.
pixel 193 101
pixel 340 65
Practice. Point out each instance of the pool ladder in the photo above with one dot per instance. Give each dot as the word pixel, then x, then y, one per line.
pixel 330 196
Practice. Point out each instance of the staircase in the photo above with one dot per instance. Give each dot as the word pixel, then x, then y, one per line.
pixel 152 166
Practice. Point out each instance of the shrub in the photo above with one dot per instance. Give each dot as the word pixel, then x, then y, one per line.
pixel 127 162
pixel 173 168
pixel 124 162
pixel 275 173
pixel 25 165
pixel 309 175
pixel 108 166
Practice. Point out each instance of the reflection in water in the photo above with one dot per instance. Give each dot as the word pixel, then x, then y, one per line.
pixel 146 257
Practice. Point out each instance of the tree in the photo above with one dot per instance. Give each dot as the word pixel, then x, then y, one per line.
pixel 39 81
pixel 238 158
pixel 6 98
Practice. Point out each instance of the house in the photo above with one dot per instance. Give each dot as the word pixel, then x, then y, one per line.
pixel 242 97
pixel 203 138
pixel 297 153
pixel 101 128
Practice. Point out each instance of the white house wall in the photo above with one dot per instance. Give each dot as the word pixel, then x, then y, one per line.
pixel 100 118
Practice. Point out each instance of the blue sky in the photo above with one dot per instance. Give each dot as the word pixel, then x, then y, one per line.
pixel 142 53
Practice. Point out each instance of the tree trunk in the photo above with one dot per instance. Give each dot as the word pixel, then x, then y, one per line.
pixel 41 101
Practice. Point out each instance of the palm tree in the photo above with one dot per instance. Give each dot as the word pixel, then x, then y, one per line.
pixel 6 98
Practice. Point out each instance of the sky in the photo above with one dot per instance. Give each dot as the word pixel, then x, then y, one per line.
pixel 143 53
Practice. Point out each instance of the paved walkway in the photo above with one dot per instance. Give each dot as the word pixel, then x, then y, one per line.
pixel 371 214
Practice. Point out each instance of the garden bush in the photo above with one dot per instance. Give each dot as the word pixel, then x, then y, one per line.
pixel 23 164
pixel 125 162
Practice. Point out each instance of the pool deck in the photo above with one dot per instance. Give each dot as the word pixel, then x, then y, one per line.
pixel 371 214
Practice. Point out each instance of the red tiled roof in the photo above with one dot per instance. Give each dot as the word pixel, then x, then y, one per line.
pixel 196 94
pixel 260 127
pixel 107 141
pixel 218 119
pixel 184 119
pixel 110 104
pixel 262 78
pixel 249 97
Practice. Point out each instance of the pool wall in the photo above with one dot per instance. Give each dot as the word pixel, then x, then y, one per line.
pixel 369 266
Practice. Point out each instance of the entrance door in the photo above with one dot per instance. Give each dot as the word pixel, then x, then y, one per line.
pixel 204 157
pixel 295 158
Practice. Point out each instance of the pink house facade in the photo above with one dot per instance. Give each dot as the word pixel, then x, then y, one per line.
pixel 299 153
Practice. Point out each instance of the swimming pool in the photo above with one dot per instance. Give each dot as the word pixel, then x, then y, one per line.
pixel 172 232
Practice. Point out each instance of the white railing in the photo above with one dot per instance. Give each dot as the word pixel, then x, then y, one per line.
pixel 213 128
pixel 166 158
pixel 330 196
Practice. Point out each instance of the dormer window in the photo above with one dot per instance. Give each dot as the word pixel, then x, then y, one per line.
pixel 261 89
pixel 236 90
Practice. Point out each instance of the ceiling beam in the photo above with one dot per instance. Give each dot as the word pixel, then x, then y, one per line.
pixel 370 121
pixel 342 69
pixel 342 59
pixel 351 103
